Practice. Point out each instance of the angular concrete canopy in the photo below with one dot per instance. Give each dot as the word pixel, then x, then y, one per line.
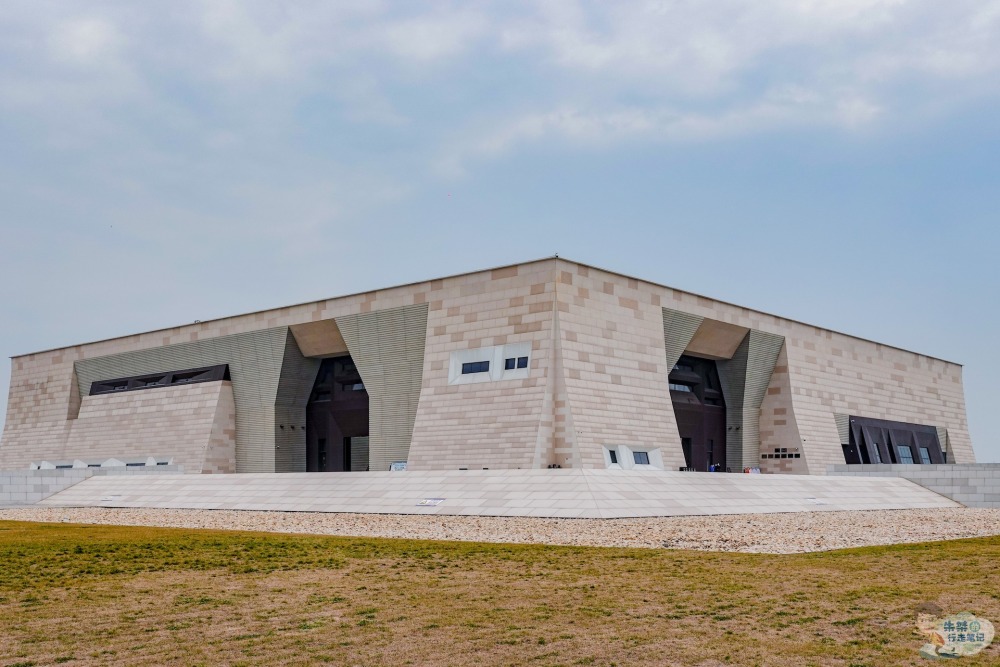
pixel 319 339
pixel 716 340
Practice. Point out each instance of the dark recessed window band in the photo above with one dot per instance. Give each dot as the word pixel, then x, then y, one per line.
pixel 168 379
pixel 476 367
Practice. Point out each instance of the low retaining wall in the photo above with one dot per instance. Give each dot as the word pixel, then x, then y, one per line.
pixel 973 484
pixel 26 487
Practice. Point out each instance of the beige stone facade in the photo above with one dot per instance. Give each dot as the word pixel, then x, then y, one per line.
pixel 192 426
pixel 597 379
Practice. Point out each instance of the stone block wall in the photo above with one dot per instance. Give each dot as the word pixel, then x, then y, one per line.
pixel 976 485
pixel 192 424
pixel 497 424
pixel 597 377
pixel 25 487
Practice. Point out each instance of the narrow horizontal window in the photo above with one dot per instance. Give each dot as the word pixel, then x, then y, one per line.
pixel 476 367
pixel 191 376
pixel 678 387
pixel 522 362
pixel 641 458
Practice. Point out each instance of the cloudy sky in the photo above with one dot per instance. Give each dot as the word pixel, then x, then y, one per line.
pixel 833 161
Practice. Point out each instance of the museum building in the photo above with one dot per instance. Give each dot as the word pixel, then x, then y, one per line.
pixel 545 364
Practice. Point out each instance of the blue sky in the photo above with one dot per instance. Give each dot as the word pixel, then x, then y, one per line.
pixel 833 161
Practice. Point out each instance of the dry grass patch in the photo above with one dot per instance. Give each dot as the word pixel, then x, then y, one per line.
pixel 102 595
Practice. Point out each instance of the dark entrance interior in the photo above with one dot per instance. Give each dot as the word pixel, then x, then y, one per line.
pixel 700 409
pixel 337 419
pixel 884 441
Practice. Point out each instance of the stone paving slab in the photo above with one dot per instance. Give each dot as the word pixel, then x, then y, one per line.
pixel 595 494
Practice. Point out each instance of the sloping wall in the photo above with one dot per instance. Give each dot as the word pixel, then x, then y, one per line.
pixel 296 377
pixel 254 359
pixel 745 379
pixel 614 367
pixel 492 424
pixel 387 346
pixel 192 424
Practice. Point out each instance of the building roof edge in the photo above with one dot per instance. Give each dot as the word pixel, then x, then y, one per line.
pixel 492 268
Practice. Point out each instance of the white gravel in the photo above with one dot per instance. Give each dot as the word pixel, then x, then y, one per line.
pixel 752 533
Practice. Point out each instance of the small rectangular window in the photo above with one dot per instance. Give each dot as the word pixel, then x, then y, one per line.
pixel 522 362
pixel 508 364
pixel 679 387
pixel 476 367
pixel 614 455
pixel 925 455
pixel 905 454
pixel 641 458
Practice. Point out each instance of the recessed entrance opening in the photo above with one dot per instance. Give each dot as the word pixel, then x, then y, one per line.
pixel 700 409
pixel 337 419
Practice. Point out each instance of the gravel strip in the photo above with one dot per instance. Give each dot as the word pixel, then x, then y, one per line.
pixel 750 533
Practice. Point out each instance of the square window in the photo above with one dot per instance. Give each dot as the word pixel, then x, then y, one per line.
pixel 522 362
pixel 508 364
pixel 614 455
pixel 641 458
pixel 476 367
pixel 905 454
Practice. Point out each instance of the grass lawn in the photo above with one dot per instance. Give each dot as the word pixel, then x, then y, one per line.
pixel 103 595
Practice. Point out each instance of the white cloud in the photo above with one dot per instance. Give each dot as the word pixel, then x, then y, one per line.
pixel 84 42
pixel 234 74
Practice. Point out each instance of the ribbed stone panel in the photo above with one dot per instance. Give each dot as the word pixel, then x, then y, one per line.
pixel 678 330
pixel 733 374
pixel 763 354
pixel 255 360
pixel 388 348
pixel 359 454
pixel 745 378
pixel 843 427
pixel 942 433
pixel 295 383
